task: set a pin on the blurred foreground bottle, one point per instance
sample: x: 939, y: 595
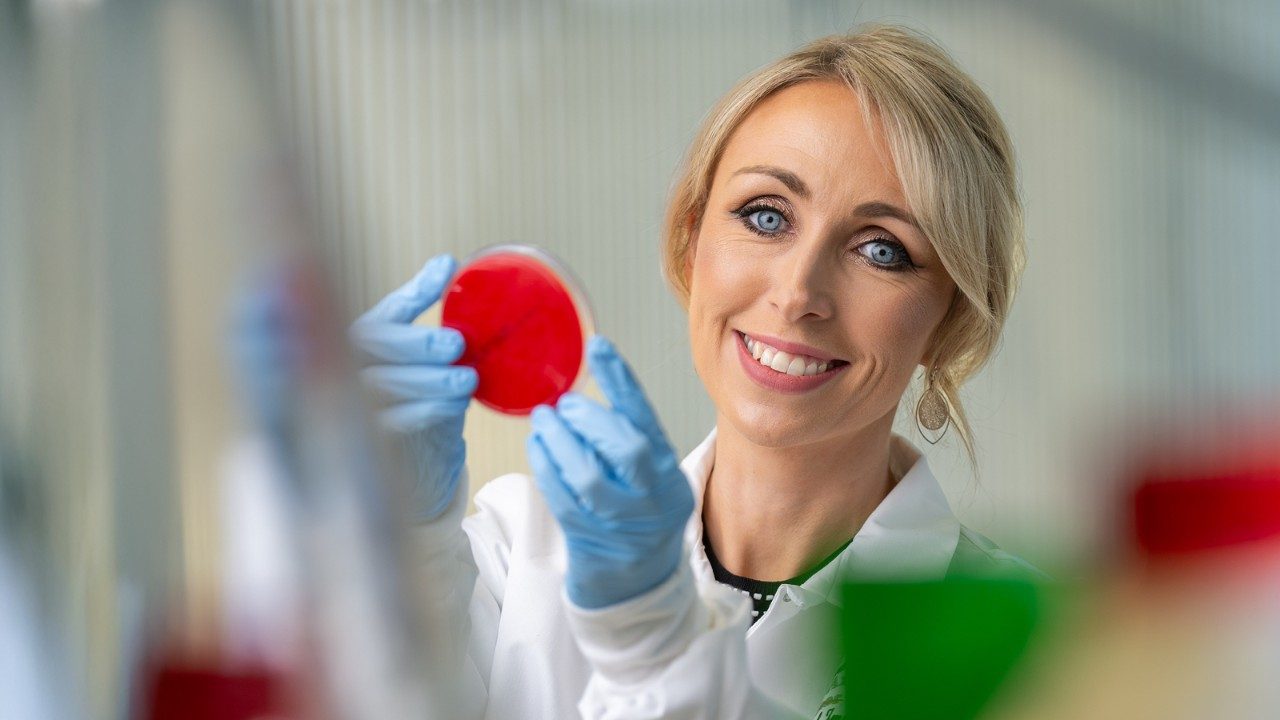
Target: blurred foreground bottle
x: 319, y: 617
x: 1187, y: 623
x: 940, y: 649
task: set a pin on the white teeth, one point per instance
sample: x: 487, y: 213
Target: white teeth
x: 784, y: 362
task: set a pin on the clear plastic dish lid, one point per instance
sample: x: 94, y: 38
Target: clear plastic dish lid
x: 525, y: 320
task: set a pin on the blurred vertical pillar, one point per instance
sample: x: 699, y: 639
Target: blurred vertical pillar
x: 59, y: 404
x: 225, y: 178
x: 91, y: 357
x: 137, y: 352
x: 14, y: 88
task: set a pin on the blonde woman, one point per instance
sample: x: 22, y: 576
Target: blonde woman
x: 847, y: 216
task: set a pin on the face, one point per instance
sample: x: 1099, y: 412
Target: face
x: 807, y: 257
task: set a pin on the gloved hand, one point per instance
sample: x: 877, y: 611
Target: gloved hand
x: 428, y: 397
x: 613, y: 482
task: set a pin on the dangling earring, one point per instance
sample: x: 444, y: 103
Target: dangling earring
x: 932, y: 412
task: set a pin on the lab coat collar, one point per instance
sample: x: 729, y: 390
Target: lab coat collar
x: 912, y: 534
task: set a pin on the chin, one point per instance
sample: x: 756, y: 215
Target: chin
x: 762, y: 426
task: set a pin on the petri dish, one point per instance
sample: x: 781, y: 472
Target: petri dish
x: 525, y: 320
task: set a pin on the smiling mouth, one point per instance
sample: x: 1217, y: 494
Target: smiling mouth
x: 781, y: 361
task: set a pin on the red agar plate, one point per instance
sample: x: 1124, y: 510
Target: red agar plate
x: 525, y: 322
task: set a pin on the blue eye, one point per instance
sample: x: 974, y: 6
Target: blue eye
x: 762, y: 219
x: 769, y: 221
x: 885, y: 254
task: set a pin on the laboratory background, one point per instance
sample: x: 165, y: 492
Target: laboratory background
x: 159, y: 160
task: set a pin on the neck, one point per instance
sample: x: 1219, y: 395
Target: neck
x: 772, y: 513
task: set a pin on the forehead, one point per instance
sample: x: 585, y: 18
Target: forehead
x: 816, y: 130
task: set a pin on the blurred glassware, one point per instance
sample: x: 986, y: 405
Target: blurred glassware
x: 1186, y: 622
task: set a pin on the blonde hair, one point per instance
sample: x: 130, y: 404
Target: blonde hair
x: 953, y: 157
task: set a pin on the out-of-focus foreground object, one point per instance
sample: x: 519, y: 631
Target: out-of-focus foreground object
x: 331, y: 604
x: 1181, y: 622
x: 1185, y: 623
x: 36, y: 682
x: 176, y: 541
x: 942, y: 648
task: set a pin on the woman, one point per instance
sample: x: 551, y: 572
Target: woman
x: 846, y: 215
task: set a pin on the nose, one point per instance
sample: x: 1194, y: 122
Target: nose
x: 801, y: 286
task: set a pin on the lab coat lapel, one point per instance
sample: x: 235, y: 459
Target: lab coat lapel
x: 912, y: 534
x: 697, y: 468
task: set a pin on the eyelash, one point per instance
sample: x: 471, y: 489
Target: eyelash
x: 745, y: 212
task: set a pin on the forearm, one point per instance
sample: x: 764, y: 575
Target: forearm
x: 454, y: 606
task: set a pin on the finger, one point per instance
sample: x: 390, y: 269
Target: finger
x: 411, y: 299
x: 610, y: 434
x: 580, y: 468
x: 408, y: 343
x: 560, y: 499
x: 619, y: 385
x: 415, y: 416
x: 421, y: 382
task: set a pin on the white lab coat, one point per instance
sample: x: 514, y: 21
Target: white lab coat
x: 686, y: 649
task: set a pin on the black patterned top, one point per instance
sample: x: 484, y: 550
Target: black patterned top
x: 760, y: 592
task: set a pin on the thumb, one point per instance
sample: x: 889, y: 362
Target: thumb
x: 410, y: 300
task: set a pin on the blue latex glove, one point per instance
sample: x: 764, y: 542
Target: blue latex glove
x: 427, y: 396
x: 613, y: 482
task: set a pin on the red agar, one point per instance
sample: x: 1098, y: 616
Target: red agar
x: 522, y: 330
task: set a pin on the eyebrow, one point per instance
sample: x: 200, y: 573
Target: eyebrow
x: 786, y: 177
x: 874, y: 208
x: 884, y: 209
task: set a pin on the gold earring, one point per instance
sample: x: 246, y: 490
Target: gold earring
x: 933, y: 413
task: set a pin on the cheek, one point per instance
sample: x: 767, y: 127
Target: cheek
x: 895, y: 327
x: 718, y: 269
x: 723, y: 286
x: 722, y: 282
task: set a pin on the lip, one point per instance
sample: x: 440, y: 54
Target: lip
x: 791, y: 347
x: 781, y: 382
